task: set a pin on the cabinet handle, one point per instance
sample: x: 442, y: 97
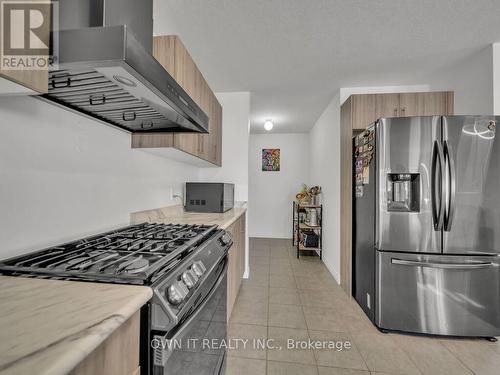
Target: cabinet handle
x: 96, y: 99
x: 403, y: 112
x: 396, y: 112
x: 129, y: 116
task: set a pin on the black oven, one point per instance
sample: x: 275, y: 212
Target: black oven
x: 197, y: 344
x: 183, y: 326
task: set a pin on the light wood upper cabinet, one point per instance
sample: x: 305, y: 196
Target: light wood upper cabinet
x: 175, y: 58
x: 207, y: 104
x: 186, y: 72
x: 387, y: 105
x: 29, y: 82
x: 426, y: 104
x: 216, y: 140
x: 163, y: 48
x: 365, y: 110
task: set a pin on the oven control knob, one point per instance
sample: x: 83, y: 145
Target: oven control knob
x: 189, y: 278
x: 199, y: 268
x: 177, y: 292
x: 226, y: 239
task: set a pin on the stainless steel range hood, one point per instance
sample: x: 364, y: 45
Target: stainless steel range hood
x: 107, y: 74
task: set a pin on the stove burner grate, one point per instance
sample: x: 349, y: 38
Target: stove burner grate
x: 138, y: 252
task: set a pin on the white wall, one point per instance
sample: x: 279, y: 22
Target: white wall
x: 325, y: 171
x: 63, y: 176
x: 271, y: 193
x: 235, y: 137
x: 472, y: 82
x: 345, y: 92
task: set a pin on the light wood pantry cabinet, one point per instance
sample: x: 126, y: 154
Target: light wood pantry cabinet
x: 367, y: 108
x: 356, y: 113
x: 236, y: 266
x: 175, y: 58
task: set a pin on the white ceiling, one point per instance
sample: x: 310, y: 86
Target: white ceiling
x: 292, y: 55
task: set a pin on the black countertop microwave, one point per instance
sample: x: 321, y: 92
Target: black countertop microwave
x: 209, y: 196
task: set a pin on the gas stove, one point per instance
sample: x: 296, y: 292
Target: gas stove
x: 185, y: 265
x: 132, y: 255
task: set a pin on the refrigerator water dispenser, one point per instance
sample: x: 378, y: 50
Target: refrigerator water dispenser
x: 403, y: 192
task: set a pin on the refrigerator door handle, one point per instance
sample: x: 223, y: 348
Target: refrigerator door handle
x: 448, y: 154
x: 437, y: 194
x: 450, y: 266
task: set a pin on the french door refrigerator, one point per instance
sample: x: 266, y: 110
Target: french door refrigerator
x: 426, y: 233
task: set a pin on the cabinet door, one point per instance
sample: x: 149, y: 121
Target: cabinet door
x: 164, y: 52
x: 231, y: 271
x: 216, y: 138
x: 205, y: 140
x: 28, y: 82
x: 189, y: 143
x: 186, y: 73
x: 189, y: 78
x: 424, y: 104
x: 242, y: 222
x: 387, y: 105
x: 364, y: 110
x: 19, y: 82
x: 117, y: 355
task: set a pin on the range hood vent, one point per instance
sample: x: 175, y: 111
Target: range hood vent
x: 106, y: 73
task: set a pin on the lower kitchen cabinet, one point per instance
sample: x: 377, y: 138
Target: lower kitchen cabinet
x: 118, y: 355
x: 236, y: 266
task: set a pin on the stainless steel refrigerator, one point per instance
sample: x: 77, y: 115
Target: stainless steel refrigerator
x: 426, y: 224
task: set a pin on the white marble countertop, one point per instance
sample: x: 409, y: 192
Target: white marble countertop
x: 47, y: 327
x: 177, y: 215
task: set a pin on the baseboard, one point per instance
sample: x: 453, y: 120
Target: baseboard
x: 334, y: 272
x: 246, y: 274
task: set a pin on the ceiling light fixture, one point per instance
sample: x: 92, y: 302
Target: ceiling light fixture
x: 268, y: 125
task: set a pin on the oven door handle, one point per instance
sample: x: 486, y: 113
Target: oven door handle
x: 189, y: 320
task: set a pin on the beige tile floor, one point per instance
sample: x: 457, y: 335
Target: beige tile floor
x: 287, y: 297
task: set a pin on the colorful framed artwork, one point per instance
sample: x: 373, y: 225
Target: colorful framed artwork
x: 271, y: 159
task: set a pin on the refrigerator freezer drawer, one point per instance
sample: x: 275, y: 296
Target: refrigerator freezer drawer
x: 438, y: 294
